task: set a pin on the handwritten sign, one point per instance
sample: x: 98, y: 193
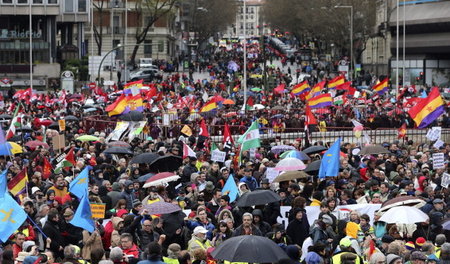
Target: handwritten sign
x: 445, y: 180
x: 271, y: 174
x: 438, y: 161
x: 62, y: 124
x: 217, y: 155
x: 98, y: 210
x: 434, y: 133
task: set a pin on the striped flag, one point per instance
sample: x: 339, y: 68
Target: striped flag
x: 18, y: 184
x: 15, y: 122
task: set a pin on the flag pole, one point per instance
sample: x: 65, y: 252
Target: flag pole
x: 37, y: 227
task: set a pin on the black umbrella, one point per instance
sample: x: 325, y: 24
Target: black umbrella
x: 145, y: 158
x: 25, y: 129
x: 313, y: 166
x: 5, y: 116
x: 118, y: 150
x: 250, y: 249
x: 257, y: 197
x: 15, y: 138
x: 133, y: 116
x: 71, y: 118
x: 373, y: 150
x: 54, y: 125
x: 166, y: 163
x: 314, y: 149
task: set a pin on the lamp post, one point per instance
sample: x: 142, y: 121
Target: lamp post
x: 244, y: 81
x: 31, y: 45
x: 351, y: 39
x: 397, y: 51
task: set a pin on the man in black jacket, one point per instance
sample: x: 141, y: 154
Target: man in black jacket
x: 52, y: 230
x: 147, y: 234
x: 247, y: 227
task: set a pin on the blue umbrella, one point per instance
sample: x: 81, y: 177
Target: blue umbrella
x: 282, y: 148
x: 295, y: 154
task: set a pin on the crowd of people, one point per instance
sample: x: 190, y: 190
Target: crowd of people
x: 129, y: 234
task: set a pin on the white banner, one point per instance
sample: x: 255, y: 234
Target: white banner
x: 118, y: 131
x: 217, y: 155
x: 438, y: 161
x: 342, y: 212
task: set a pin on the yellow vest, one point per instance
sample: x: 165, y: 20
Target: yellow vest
x: 336, y: 259
x: 170, y: 260
x: 204, y: 246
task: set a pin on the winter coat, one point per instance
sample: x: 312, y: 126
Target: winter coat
x: 90, y: 241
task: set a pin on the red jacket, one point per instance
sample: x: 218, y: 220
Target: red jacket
x: 134, y: 250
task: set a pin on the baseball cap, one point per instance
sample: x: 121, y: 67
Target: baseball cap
x: 437, y: 200
x: 200, y: 229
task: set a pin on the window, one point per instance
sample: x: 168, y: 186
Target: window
x: 148, y: 47
x: 68, y: 6
x: 81, y: 5
x: 22, y: 1
x: 37, y: 2
x: 161, y: 46
x: 6, y: 1
x: 53, y: 2
x: 241, y: 25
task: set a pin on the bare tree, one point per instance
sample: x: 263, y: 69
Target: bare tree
x: 99, y: 6
x: 212, y: 16
x: 319, y: 20
x: 148, y: 12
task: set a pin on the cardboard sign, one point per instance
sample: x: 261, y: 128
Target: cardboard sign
x: 59, y: 142
x: 186, y: 130
x: 438, y: 161
x: 62, y: 124
x: 217, y: 155
x: 445, y: 180
x: 434, y: 133
x: 98, y: 210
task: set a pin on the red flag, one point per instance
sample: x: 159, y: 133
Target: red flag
x: 70, y: 157
x: 345, y: 86
x: 228, y: 141
x: 187, y: 151
x: 47, y: 169
x: 310, y: 119
x: 203, y: 129
x: 402, y: 131
x: 250, y: 101
x: 280, y: 88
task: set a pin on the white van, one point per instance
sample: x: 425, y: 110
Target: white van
x: 145, y: 62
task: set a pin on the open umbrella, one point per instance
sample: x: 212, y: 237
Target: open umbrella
x: 160, y: 179
x: 228, y: 102
x: 15, y: 138
x: 282, y: 148
x: 71, y: 118
x: 258, y: 107
x: 257, y: 197
x: 290, y: 164
x: 36, y: 143
x: 161, y: 208
x: 118, y: 150
x: 404, y: 215
x: 10, y: 148
x: 54, y: 125
x: 145, y: 158
x: 25, y: 129
x: 291, y: 175
x: 230, y: 114
x: 46, y: 122
x: 373, y: 150
x: 5, y: 116
x: 295, y: 154
x: 446, y: 224
x: 278, y: 107
x: 256, y: 89
x: 277, y: 116
x: 122, y: 144
x: 89, y: 110
x: 402, y: 201
x: 132, y: 116
x: 85, y: 138
x: 314, y: 149
x: 313, y: 166
x: 166, y: 163
x: 145, y: 177
x: 249, y: 249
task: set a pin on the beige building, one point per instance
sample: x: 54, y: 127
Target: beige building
x: 254, y: 20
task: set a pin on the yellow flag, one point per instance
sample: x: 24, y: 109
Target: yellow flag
x: 186, y: 130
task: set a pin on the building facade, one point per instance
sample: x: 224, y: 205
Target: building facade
x: 254, y: 20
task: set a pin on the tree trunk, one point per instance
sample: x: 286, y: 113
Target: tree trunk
x: 133, y: 54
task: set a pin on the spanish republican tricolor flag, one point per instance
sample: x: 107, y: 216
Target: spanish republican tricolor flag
x: 118, y: 107
x: 210, y: 106
x: 381, y: 87
x: 402, y: 131
x: 428, y: 109
x: 315, y: 91
x: 301, y: 88
x: 322, y: 100
x: 18, y: 184
x: 335, y: 82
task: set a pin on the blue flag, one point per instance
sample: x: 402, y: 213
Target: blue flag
x: 83, y: 215
x: 329, y: 167
x: 230, y: 188
x: 12, y: 217
x: 3, y: 183
x: 79, y: 185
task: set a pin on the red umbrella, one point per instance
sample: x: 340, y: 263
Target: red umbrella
x: 122, y: 144
x: 228, y: 101
x: 230, y: 114
x: 342, y: 154
x: 46, y: 122
x: 161, y: 178
x: 35, y: 143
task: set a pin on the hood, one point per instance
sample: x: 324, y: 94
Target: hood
x: 420, y: 181
x: 116, y: 187
x: 257, y: 212
x: 352, y: 229
x: 313, y: 258
x: 293, y: 252
x: 115, y: 221
x: 128, y: 183
x: 102, y: 191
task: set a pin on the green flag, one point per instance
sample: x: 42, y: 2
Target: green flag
x: 213, y: 146
x: 250, y: 139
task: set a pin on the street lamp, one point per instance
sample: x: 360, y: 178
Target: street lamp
x: 351, y: 39
x: 245, y: 53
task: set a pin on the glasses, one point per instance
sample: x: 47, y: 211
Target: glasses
x: 146, y: 225
x: 376, y: 197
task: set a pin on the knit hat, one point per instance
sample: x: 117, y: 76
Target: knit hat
x: 420, y: 241
x: 345, y: 242
x: 410, y: 245
x: 327, y: 219
x: 391, y: 258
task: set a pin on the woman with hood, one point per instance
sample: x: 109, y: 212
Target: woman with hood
x: 298, y: 229
x: 115, y: 236
x: 422, y: 182
x: 243, y: 188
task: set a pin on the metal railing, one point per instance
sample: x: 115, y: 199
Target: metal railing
x: 377, y: 136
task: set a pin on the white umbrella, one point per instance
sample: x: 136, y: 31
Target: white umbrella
x: 161, y: 181
x: 258, y: 107
x: 290, y: 164
x: 404, y: 215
